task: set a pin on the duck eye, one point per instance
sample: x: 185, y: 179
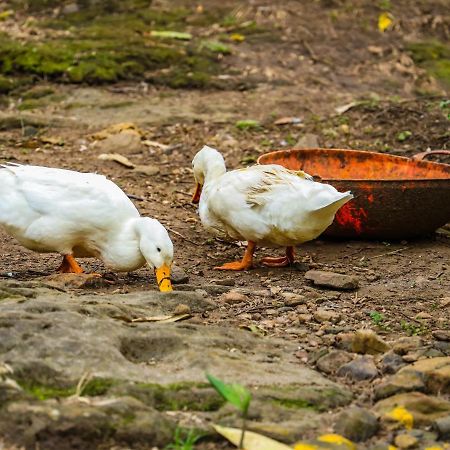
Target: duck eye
x: 157, y: 248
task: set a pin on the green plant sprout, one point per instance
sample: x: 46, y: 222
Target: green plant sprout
x: 237, y: 395
x: 184, y: 439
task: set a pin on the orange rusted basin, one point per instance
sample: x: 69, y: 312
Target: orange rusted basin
x: 394, y: 197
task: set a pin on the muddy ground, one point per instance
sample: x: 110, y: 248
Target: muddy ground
x: 305, y: 60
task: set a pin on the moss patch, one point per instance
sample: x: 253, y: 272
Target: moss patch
x: 434, y: 56
x: 42, y: 392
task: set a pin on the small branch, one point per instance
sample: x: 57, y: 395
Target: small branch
x: 135, y: 197
x: 244, y: 428
x: 388, y: 253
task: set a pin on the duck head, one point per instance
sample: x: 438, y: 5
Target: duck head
x: 157, y: 249
x: 207, y: 164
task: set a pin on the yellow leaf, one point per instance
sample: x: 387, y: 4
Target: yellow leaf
x: 385, y: 20
x: 338, y: 440
x: 252, y: 441
x: 301, y: 446
x: 237, y: 37
x: 402, y: 415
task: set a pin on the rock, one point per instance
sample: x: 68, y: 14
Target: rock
x: 75, y: 281
x: 424, y: 409
x: 356, y: 424
x: 332, y: 280
x: 391, y: 362
x: 291, y: 299
x: 361, y: 368
x: 445, y: 302
x: 126, y: 141
x: 406, y: 344
x: 326, y: 315
x: 178, y: 275
x: 442, y: 427
x: 181, y: 309
x: 368, y: 342
x: 405, y: 440
x: 234, y: 297
x: 400, y: 382
x: 333, y: 360
x: 435, y: 373
x: 308, y: 140
x: 224, y: 281
x: 304, y: 318
x: 344, y: 341
x: 147, y: 170
x: 441, y: 335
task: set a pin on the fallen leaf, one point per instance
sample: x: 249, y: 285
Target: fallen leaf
x: 171, y: 34
x: 402, y: 415
x: 117, y: 157
x: 162, y: 319
x: 54, y: 140
x: 342, y: 109
x: 252, y: 441
x: 385, y: 20
x: 237, y: 37
x: 338, y: 440
x: 6, y: 14
x: 247, y: 124
x: 403, y: 135
x: 288, y: 120
x: 216, y: 47
x: 155, y: 144
x: 115, y: 129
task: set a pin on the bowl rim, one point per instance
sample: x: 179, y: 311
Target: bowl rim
x: 365, y: 152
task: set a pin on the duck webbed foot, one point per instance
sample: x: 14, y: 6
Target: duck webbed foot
x: 70, y: 265
x: 282, y: 261
x: 246, y: 263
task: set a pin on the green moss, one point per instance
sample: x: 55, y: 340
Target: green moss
x: 434, y: 56
x: 6, y: 84
x: 295, y: 403
x: 99, y: 386
x: 42, y: 392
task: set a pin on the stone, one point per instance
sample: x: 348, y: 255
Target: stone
x: 291, y: 299
x: 368, y: 342
x: 304, y: 318
x: 326, y: 315
x: 391, y: 362
x: 181, y: 309
x: 178, y: 275
x: 126, y: 141
x: 75, y: 281
x: 332, y: 280
x: 344, y: 341
x: 308, y: 140
x: 442, y: 427
x: 400, y: 382
x: 435, y: 373
x: 441, y: 335
x: 333, y: 360
x: 356, y: 424
x: 405, y: 440
x: 147, y: 170
x: 361, y: 368
x: 407, y: 343
x: 445, y: 302
x: 424, y: 409
x: 234, y: 297
x: 224, y: 281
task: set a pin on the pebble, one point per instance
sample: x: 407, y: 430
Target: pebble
x: 441, y: 335
x: 362, y: 368
x: 304, y: 318
x: 442, y: 426
x: 356, y: 424
x: 326, y: 315
x: 178, y: 275
x: 181, y: 309
x: 291, y: 299
x: 405, y: 440
x: 445, y: 302
x: 333, y: 360
x: 406, y: 344
x: 391, y: 362
x: 147, y: 170
x: 224, y: 281
x: 233, y: 297
x: 368, y: 342
x: 332, y: 280
x: 398, y: 383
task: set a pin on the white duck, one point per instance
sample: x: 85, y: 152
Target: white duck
x: 81, y: 215
x: 266, y: 205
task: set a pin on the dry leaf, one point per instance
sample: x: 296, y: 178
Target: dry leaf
x: 237, y: 37
x: 252, y: 441
x: 288, y: 120
x: 118, y: 158
x: 115, y: 129
x: 155, y: 144
x: 342, y: 109
x: 162, y: 319
x: 385, y: 21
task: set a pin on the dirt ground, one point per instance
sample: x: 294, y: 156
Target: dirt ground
x: 317, y: 56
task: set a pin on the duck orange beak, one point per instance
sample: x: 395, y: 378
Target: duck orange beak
x: 197, y: 193
x: 163, y: 278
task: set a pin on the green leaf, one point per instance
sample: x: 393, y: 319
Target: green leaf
x: 247, y: 124
x: 403, y: 135
x: 171, y: 35
x: 236, y: 394
x: 216, y: 47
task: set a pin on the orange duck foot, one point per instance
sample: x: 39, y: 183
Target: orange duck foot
x: 246, y: 263
x: 282, y: 261
x: 70, y: 265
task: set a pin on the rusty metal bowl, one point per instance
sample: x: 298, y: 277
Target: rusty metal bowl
x: 395, y: 197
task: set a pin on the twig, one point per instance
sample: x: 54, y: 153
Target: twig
x: 135, y: 197
x: 410, y: 318
x: 181, y: 236
x: 388, y: 253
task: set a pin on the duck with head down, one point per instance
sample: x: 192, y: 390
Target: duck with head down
x: 81, y: 215
x: 266, y: 205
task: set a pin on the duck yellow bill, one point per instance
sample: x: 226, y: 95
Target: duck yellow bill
x: 197, y: 193
x: 163, y: 278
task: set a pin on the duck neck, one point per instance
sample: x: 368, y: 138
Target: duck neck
x: 216, y: 168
